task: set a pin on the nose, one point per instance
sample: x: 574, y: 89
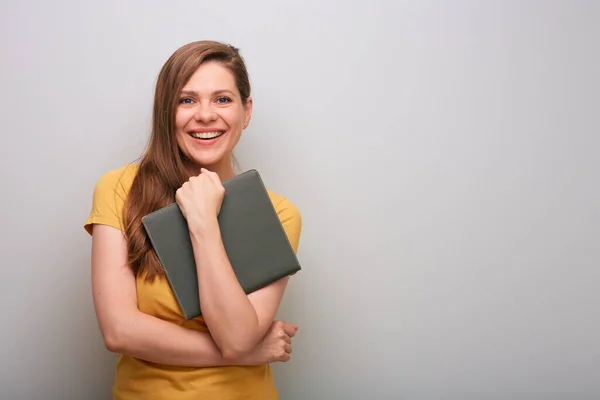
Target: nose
x: 205, y: 114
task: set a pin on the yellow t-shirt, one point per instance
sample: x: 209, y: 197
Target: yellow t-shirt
x: 139, y: 379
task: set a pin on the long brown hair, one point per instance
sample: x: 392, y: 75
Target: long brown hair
x: 163, y: 168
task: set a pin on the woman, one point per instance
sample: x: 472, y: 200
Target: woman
x: 202, y: 104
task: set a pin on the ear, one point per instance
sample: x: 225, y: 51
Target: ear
x: 248, y: 112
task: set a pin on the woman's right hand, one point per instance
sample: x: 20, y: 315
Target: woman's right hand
x: 276, y: 345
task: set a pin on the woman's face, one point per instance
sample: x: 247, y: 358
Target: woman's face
x: 210, y: 118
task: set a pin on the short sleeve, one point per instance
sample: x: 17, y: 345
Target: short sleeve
x: 291, y: 219
x: 107, y: 202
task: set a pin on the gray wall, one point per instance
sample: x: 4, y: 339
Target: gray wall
x: 444, y: 156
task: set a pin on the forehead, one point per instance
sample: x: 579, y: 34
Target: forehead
x: 210, y: 77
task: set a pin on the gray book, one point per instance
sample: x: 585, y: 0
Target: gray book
x: 255, y: 242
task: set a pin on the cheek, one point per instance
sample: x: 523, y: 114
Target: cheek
x: 180, y: 121
x: 236, y: 119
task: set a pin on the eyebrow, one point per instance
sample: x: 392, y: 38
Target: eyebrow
x: 221, y: 91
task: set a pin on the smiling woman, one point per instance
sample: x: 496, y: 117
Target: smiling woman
x: 211, y: 116
x: 202, y: 104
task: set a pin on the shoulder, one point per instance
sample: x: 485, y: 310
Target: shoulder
x: 114, y: 185
x: 110, y: 193
x: 117, y: 180
x: 284, y: 207
x: 289, y: 216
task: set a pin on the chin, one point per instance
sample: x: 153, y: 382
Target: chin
x: 206, y: 153
x: 205, y: 159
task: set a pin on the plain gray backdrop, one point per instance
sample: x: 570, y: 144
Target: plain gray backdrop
x: 444, y: 156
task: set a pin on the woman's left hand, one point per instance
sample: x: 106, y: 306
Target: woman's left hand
x: 200, y: 198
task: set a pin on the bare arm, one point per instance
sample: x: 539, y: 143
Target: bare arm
x: 236, y: 321
x: 127, y: 330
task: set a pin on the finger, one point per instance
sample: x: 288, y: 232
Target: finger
x: 276, y: 326
x: 287, y: 339
x: 288, y: 348
x: 208, y: 173
x: 217, y: 179
x: 206, y: 178
x: 203, y: 171
x: 290, y: 330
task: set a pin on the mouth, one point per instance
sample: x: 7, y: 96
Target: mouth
x: 206, y: 135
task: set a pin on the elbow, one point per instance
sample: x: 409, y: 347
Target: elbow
x: 112, y: 344
x: 236, y: 350
x: 233, y: 355
x: 117, y: 330
x: 113, y: 340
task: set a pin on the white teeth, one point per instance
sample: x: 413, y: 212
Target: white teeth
x: 205, y: 135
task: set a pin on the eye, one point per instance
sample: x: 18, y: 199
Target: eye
x: 185, y: 100
x: 223, y: 100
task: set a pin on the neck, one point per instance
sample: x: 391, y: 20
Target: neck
x: 224, y: 169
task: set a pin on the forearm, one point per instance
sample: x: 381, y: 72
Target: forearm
x: 229, y: 314
x: 152, y: 339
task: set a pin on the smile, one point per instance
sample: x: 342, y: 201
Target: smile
x: 206, y: 135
